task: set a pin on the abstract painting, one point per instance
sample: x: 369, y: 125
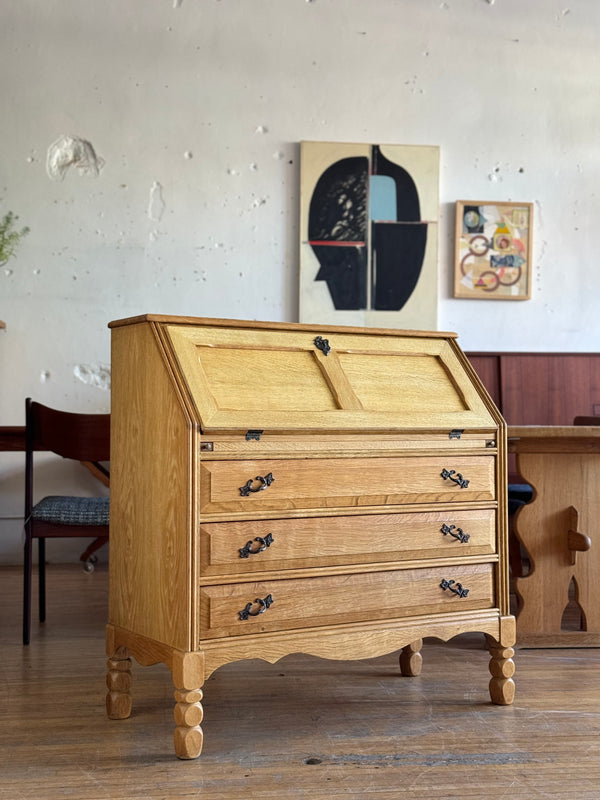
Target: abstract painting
x: 493, y: 250
x: 368, y: 234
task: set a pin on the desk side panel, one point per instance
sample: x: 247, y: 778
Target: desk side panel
x: 501, y: 481
x: 151, y: 479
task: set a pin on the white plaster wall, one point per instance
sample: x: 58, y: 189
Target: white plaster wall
x: 208, y: 100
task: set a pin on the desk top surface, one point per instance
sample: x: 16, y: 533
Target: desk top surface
x: 554, y: 438
x: 12, y: 438
x: 553, y: 431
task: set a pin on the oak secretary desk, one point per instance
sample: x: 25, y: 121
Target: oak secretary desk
x: 281, y: 488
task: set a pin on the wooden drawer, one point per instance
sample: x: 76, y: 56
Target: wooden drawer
x: 271, y: 484
x: 230, y: 548
x: 228, y: 610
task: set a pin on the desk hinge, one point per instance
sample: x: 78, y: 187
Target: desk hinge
x: 253, y: 435
x: 206, y: 447
x: 455, y: 433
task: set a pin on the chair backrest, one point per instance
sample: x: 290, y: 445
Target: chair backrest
x: 82, y: 437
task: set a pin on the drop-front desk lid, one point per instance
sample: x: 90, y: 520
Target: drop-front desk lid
x: 281, y: 377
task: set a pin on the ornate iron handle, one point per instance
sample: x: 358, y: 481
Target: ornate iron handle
x: 456, y: 533
x: 263, y: 605
x: 263, y: 544
x: 323, y: 345
x: 264, y: 484
x: 455, y: 477
x: 457, y: 588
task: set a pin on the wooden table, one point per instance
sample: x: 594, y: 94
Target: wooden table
x: 560, y: 530
x: 12, y: 438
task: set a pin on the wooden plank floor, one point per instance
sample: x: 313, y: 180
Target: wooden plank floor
x: 301, y: 728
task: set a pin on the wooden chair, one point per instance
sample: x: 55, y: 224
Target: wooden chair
x: 84, y: 438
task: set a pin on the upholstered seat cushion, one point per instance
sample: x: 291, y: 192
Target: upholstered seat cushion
x: 72, y: 510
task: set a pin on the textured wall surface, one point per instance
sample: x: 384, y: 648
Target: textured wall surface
x: 152, y: 146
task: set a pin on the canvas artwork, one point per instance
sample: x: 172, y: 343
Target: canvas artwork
x: 493, y: 250
x: 368, y: 234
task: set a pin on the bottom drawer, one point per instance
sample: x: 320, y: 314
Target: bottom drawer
x: 241, y: 608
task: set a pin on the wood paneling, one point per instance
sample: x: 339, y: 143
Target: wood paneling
x: 549, y: 389
x: 487, y: 366
x: 541, y: 388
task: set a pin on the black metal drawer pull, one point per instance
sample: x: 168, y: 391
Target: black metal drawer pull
x: 263, y: 605
x: 457, y: 588
x: 263, y: 544
x: 456, y: 533
x: 323, y: 345
x: 455, y: 477
x: 264, y: 483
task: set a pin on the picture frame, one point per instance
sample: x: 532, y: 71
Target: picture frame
x: 493, y: 250
x: 369, y: 217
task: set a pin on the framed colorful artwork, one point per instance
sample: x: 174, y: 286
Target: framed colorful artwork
x: 369, y: 234
x: 493, y: 250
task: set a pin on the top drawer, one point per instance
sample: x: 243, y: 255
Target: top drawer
x: 276, y: 485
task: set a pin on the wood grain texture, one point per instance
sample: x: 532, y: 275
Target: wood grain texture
x: 549, y: 389
x: 311, y: 542
x: 487, y: 367
x: 565, y: 488
x: 365, y: 730
x: 541, y: 388
x: 151, y: 476
x: 411, y: 660
x: 269, y: 445
x: 361, y: 640
x: 501, y: 481
x: 390, y: 413
x: 343, y: 599
x: 253, y: 379
x: 337, y: 483
x: 254, y: 325
x: 326, y: 729
x: 554, y: 439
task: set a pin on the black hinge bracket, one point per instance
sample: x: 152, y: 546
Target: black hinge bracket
x: 250, y: 435
x: 456, y: 433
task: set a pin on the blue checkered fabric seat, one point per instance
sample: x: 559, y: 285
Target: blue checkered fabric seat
x: 72, y: 510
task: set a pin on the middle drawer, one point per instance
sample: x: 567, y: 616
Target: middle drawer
x: 240, y: 548
x: 286, y: 484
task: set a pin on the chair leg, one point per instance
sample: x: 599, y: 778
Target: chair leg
x: 42, y: 577
x: 27, y: 588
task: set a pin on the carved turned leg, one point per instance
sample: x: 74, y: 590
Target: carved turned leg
x: 411, y: 659
x: 118, y: 681
x: 502, y: 668
x: 188, y: 716
x: 188, y: 677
